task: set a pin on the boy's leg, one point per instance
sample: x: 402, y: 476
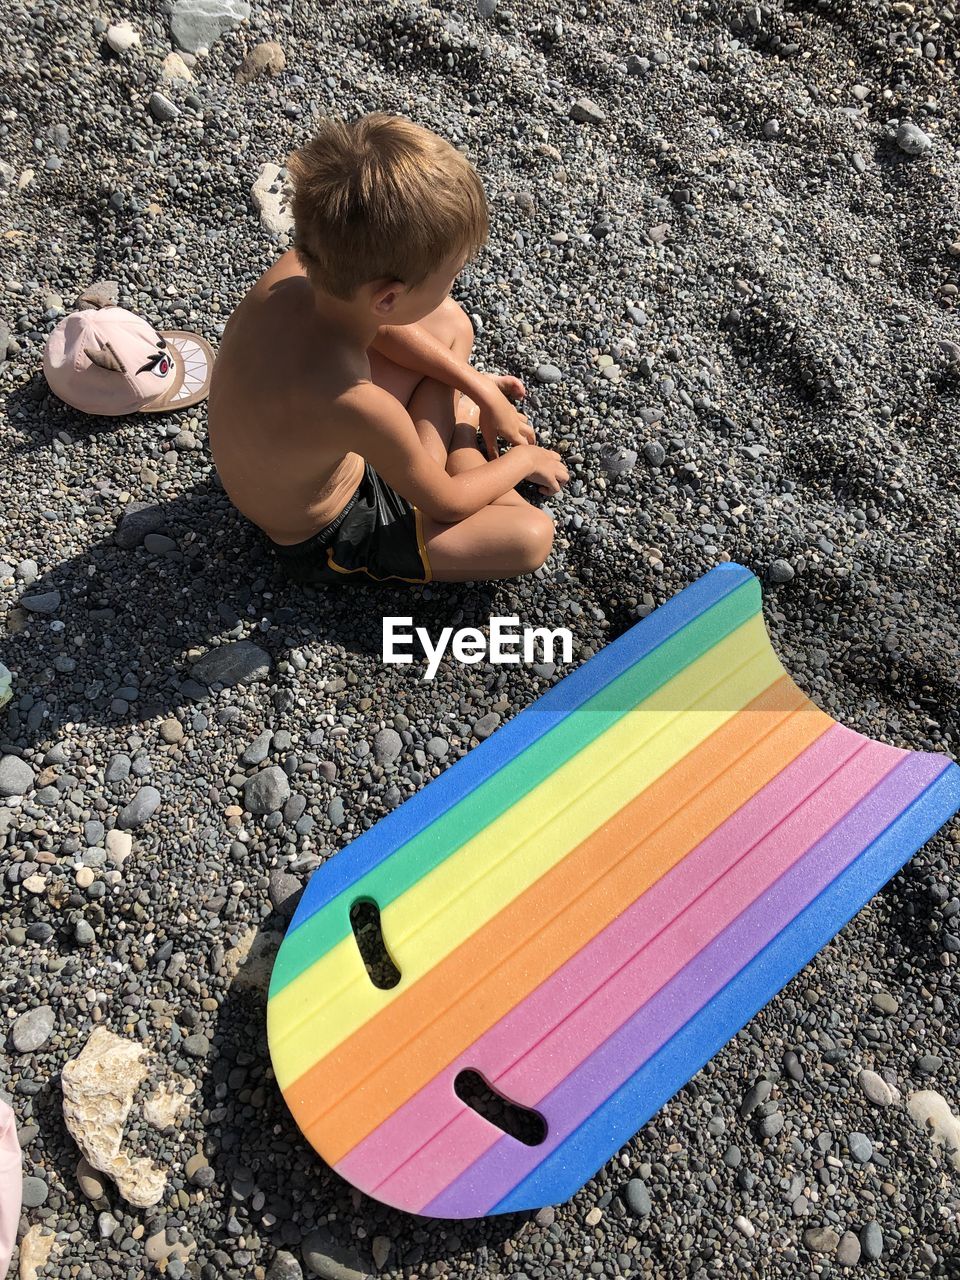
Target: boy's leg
x: 498, y: 541
x: 449, y: 324
x: 503, y: 540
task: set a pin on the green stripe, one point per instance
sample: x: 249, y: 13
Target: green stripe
x: 322, y: 931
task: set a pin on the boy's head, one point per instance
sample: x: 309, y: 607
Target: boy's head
x: 382, y: 200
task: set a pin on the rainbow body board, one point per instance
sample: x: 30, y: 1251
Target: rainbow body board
x: 585, y: 909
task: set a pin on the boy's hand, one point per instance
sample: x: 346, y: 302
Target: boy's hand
x: 498, y: 417
x: 548, y: 472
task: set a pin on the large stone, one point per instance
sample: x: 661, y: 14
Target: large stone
x: 138, y: 519
x: 32, y: 1029
x: 44, y: 602
x: 284, y: 1267
x: 931, y: 1111
x: 197, y: 24
x: 271, y: 197
x: 16, y: 776
x: 248, y: 965
x: 266, y: 791
x: 35, y: 1249
x: 121, y: 36
x: 168, y: 1103
x: 241, y: 662
x: 140, y: 809
x: 326, y: 1257
x: 266, y: 59
x: 387, y: 745
x: 98, y: 1087
x: 586, y: 111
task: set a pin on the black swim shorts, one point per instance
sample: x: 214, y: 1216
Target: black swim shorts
x: 378, y: 536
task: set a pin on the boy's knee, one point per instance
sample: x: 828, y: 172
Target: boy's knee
x: 460, y: 323
x: 535, y: 539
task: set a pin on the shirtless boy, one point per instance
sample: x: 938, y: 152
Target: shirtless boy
x: 343, y: 411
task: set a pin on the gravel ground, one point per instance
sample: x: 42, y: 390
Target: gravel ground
x: 729, y: 279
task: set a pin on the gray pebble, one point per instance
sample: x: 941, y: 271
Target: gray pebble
x: 239, y: 663
x: 266, y: 791
x: 655, y: 453
x: 32, y: 1029
x: 83, y: 933
x: 860, y: 1147
x: 387, y: 745
x: 821, y: 1239
x: 912, y: 139
x: 875, y: 1088
x: 586, y: 111
x: 284, y: 892
x: 871, y: 1241
x: 16, y: 776
x: 196, y: 1045
x: 161, y: 108
x: 258, y: 749
x: 45, y: 602
x: 330, y: 1259
x: 780, y: 571
x: 486, y: 724
x: 118, y: 768
x: 284, y: 1267
x: 637, y: 1198
x: 848, y: 1250
x: 35, y: 1192
x: 548, y: 373
x: 140, y: 809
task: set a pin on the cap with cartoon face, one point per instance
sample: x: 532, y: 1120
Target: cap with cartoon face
x: 110, y: 361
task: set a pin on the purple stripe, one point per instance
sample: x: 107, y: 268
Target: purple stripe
x: 508, y: 1161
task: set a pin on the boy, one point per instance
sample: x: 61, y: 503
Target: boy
x: 343, y: 412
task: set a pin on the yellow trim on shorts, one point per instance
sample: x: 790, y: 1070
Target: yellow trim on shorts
x: 422, y: 544
x: 362, y: 568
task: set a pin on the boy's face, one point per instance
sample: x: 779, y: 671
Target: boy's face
x: 397, y: 304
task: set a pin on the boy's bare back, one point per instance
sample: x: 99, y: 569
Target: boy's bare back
x: 272, y: 408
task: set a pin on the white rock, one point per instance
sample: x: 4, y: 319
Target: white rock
x: 932, y: 1113
x: 118, y: 845
x: 98, y: 1087
x: 174, y: 68
x: 167, y: 1103
x: 34, y: 1251
x: 248, y: 965
x: 273, y: 206
x: 121, y: 37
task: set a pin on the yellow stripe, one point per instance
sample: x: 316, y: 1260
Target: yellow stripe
x: 422, y: 544
x: 389, y: 577
x: 326, y: 1003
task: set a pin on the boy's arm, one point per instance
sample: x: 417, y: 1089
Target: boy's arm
x: 379, y: 428
x: 414, y: 347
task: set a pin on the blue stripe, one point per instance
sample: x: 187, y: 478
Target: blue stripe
x: 477, y: 766
x: 562, y: 1173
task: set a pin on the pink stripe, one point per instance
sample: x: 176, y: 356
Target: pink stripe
x: 677, y: 922
x: 437, y: 1124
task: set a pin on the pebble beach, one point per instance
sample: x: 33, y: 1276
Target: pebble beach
x: 725, y: 261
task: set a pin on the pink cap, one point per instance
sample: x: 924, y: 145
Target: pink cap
x: 11, y: 1185
x: 106, y: 360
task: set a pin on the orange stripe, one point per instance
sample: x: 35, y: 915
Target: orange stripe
x: 354, y: 1088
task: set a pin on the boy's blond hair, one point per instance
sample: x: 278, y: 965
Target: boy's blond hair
x: 382, y: 196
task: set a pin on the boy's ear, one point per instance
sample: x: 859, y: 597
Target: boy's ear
x: 386, y: 296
